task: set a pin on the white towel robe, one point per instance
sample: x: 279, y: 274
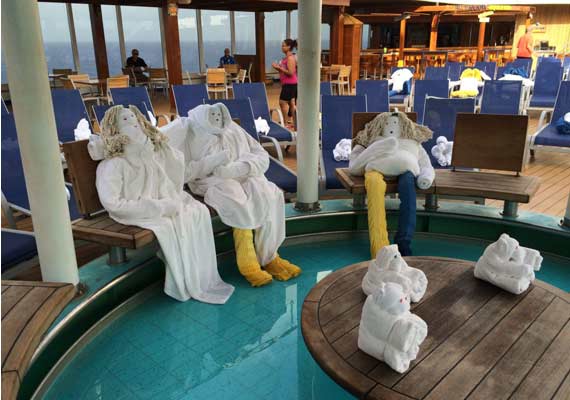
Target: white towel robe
x: 249, y: 202
x: 141, y: 188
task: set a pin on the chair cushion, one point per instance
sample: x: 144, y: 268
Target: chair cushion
x: 278, y: 132
x: 549, y: 136
x: 16, y: 248
x: 331, y: 165
x: 542, y: 101
x: 281, y: 176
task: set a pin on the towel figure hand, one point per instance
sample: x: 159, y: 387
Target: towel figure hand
x: 233, y: 170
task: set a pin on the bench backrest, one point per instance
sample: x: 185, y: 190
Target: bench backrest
x: 490, y: 141
x: 136, y: 95
x: 360, y: 119
x: 501, y: 97
x: 82, y: 170
x: 187, y: 97
x: 376, y: 92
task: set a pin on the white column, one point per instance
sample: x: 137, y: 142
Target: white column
x: 121, y: 33
x: 73, y: 37
x: 233, y: 32
x: 308, y: 104
x: 30, y: 91
x: 201, y: 60
x: 162, y: 38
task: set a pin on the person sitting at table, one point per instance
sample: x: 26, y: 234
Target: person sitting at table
x: 227, y: 58
x: 138, y: 65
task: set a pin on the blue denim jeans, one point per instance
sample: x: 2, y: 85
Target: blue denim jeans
x: 407, y: 218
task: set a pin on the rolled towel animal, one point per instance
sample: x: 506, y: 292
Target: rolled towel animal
x: 341, y: 151
x: 388, y: 330
x: 442, y: 151
x: 261, y: 126
x: 82, y: 131
x: 389, y: 266
x: 508, y: 265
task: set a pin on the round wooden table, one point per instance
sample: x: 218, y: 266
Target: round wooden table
x: 483, y: 342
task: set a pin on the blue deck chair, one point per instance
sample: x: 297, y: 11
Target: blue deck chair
x: 525, y: 63
x: 136, y: 95
x: 277, y: 173
x: 427, y: 87
x: 4, y: 108
x: 376, y: 92
x: 501, y: 72
x: 455, y: 69
x: 566, y: 68
x: 69, y: 109
x: 326, y: 90
x: 546, y: 84
x: 439, y: 116
x: 186, y: 97
x: 100, y: 110
x: 437, y: 73
x: 489, y: 67
x: 548, y: 137
x: 13, y: 181
x: 402, y: 99
x: 17, y: 246
x: 337, y: 125
x: 501, y: 97
x: 260, y: 105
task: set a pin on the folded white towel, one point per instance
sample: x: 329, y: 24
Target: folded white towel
x: 507, y: 265
x: 442, y: 151
x: 82, y: 131
x: 342, y: 150
x: 389, y: 266
x: 261, y: 126
x: 388, y: 330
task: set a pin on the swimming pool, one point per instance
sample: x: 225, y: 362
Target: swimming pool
x: 249, y: 348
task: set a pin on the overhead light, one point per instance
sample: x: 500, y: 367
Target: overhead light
x: 172, y: 9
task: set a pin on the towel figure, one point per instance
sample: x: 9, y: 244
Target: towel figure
x: 140, y: 182
x: 399, y: 79
x: 82, y: 132
x: 388, y: 330
x: 507, y: 265
x: 471, y: 79
x: 342, y: 150
x: 389, y: 266
x: 261, y: 126
x: 563, y: 124
x: 391, y: 145
x: 442, y: 151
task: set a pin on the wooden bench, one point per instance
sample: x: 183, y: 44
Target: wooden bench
x: 481, y: 141
x: 28, y: 310
x: 96, y: 225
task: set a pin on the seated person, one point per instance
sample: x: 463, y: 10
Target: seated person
x: 138, y: 65
x: 140, y: 182
x: 226, y: 166
x: 226, y: 59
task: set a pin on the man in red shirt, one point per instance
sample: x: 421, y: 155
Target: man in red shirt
x: 524, y: 47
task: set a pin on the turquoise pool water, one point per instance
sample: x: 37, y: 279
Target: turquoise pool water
x: 250, y: 348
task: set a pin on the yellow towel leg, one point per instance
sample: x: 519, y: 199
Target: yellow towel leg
x: 247, y: 259
x: 282, y: 269
x: 377, y: 224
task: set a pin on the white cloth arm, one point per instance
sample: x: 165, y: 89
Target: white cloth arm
x: 257, y: 159
x: 361, y: 156
x: 200, y: 169
x: 427, y: 173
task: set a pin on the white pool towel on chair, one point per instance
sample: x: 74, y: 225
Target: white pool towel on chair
x: 82, y: 131
x: 261, y: 126
x: 399, y: 78
x: 342, y: 150
x: 507, y: 265
x: 388, y: 330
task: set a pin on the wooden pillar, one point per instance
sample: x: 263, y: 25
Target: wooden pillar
x: 172, y: 43
x: 337, y: 35
x: 433, y: 32
x: 99, y: 44
x: 260, y: 45
x: 481, y: 41
x: 402, y: 39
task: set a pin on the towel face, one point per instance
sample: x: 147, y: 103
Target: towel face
x: 508, y: 265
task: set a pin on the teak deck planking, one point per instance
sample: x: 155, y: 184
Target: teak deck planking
x: 483, y: 342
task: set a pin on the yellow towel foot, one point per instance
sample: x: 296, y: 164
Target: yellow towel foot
x: 282, y: 269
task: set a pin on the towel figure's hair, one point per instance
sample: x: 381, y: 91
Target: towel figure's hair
x: 114, y: 142
x: 409, y: 129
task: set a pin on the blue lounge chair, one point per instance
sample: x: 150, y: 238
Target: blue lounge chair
x: 376, y: 92
x: 439, y: 116
x: 138, y: 96
x: 277, y: 173
x: 337, y: 125
x: 424, y: 88
x: 437, y: 73
x: 326, y: 89
x: 100, y: 110
x: 548, y: 137
x: 566, y: 68
x: 546, y: 84
x: 260, y: 105
x: 17, y: 246
x: 13, y: 182
x: 455, y: 69
x: 489, y: 67
x: 186, y: 97
x: 69, y: 109
x: 403, y: 98
x: 501, y: 97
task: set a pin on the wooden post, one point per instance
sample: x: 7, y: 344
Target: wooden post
x: 172, y: 42
x: 337, y: 35
x: 481, y: 41
x: 260, y: 45
x: 402, y: 39
x: 99, y: 44
x: 433, y: 33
